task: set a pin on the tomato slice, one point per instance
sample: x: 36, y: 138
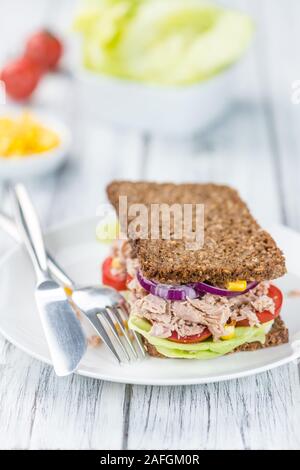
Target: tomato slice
x: 118, y: 282
x: 190, y: 339
x: 128, y: 279
x: 266, y: 316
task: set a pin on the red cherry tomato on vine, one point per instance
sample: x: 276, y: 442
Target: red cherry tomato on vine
x: 44, y: 49
x: 20, y: 77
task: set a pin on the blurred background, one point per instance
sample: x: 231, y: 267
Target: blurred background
x: 193, y: 95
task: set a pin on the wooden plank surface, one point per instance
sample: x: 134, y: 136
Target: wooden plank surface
x: 253, y: 147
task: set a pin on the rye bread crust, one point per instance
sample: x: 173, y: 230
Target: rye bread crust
x: 278, y: 335
x: 235, y: 246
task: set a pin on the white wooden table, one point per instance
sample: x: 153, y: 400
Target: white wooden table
x: 255, y: 148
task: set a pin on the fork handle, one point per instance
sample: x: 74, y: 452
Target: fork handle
x: 30, y: 229
x: 9, y: 226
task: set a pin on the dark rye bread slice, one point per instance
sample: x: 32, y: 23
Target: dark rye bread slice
x: 235, y: 246
x: 278, y: 335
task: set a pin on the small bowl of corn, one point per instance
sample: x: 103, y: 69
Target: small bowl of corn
x: 31, y: 143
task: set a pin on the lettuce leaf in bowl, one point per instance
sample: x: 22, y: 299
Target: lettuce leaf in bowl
x: 204, y: 350
x: 167, y: 42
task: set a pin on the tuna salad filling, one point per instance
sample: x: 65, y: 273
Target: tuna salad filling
x: 191, y: 316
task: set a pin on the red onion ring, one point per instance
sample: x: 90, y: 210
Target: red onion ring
x: 202, y: 287
x: 167, y: 291
x: 184, y: 291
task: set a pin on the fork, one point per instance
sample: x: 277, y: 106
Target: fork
x: 63, y: 331
x: 104, y: 303
x: 105, y: 308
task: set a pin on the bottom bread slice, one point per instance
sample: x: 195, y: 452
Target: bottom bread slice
x: 279, y: 334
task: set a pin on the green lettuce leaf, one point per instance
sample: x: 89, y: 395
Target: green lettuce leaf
x: 204, y: 350
x: 169, y: 42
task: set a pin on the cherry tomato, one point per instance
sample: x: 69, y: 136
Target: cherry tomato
x: 45, y: 49
x: 265, y: 316
x: 118, y: 282
x: 20, y: 77
x: 190, y: 339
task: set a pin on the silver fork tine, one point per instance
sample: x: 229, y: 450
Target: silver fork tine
x: 105, y: 314
x: 139, y: 342
x: 136, y: 336
x: 117, y: 318
x: 104, y: 336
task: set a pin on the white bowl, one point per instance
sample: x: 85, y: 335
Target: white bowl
x: 179, y: 110
x: 18, y: 168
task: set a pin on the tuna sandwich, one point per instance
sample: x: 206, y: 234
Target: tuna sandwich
x: 198, y: 302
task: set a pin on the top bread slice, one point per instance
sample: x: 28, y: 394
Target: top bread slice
x: 235, y: 246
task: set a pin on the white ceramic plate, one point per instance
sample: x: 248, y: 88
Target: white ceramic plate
x: 36, y: 165
x: 78, y: 251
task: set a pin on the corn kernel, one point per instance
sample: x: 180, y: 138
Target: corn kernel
x: 116, y: 263
x: 237, y: 286
x: 68, y: 291
x: 230, y: 332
